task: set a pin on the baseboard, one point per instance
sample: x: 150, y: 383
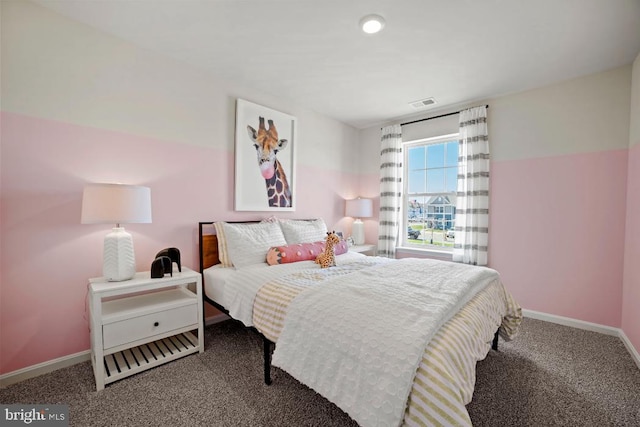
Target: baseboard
x: 43, y: 368
x: 632, y: 350
x: 574, y: 323
x: 581, y: 324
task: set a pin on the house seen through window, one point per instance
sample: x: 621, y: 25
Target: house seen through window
x: 430, y: 183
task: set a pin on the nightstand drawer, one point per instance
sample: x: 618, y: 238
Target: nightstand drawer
x: 136, y: 328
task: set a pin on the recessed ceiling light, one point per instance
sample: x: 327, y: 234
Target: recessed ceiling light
x: 372, y: 24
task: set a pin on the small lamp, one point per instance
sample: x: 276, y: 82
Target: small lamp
x: 358, y: 208
x: 117, y: 204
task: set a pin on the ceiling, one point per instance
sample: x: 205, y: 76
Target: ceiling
x: 313, y: 53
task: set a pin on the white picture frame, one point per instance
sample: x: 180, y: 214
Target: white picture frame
x: 264, y: 154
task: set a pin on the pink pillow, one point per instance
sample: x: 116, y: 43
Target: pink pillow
x: 301, y: 252
x: 341, y: 248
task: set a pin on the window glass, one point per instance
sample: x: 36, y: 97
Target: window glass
x: 417, y: 158
x: 418, y: 181
x: 435, y: 180
x: 451, y: 179
x: 430, y: 183
x: 435, y: 155
x: 452, y: 154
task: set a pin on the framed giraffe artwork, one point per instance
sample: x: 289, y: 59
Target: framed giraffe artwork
x: 264, y: 159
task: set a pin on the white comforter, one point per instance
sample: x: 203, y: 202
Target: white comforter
x: 241, y: 287
x: 358, y: 339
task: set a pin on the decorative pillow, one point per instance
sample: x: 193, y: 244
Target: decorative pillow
x: 341, y: 248
x: 301, y: 231
x: 247, y: 244
x: 223, y: 255
x: 301, y: 252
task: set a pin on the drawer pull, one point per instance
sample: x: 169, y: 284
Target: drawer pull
x: 156, y: 324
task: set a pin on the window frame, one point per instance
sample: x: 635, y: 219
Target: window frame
x: 404, y: 244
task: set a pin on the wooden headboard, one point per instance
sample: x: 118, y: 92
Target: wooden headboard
x: 208, y: 245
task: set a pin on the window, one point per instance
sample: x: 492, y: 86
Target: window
x: 430, y: 183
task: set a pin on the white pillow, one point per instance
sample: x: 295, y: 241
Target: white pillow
x: 248, y: 244
x: 223, y: 254
x: 302, y: 231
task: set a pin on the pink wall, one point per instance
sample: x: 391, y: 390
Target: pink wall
x: 631, y: 288
x: 47, y: 255
x: 557, y: 233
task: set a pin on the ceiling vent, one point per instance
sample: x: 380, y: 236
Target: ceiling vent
x: 422, y: 103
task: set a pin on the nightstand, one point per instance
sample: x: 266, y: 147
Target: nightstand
x: 141, y: 323
x: 364, y: 249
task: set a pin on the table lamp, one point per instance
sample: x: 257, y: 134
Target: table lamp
x: 358, y: 208
x: 117, y: 204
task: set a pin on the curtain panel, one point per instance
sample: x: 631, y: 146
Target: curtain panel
x: 390, y: 190
x: 472, y: 204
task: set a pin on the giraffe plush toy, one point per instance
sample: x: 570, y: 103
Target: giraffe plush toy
x: 327, y: 258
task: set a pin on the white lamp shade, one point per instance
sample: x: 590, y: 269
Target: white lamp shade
x: 116, y: 204
x: 359, y: 208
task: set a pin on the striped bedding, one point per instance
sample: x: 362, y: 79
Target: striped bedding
x: 445, y: 378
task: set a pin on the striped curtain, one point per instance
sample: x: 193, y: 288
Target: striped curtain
x: 390, y: 190
x: 472, y: 205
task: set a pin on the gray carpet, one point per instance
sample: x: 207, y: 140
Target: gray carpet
x: 550, y: 375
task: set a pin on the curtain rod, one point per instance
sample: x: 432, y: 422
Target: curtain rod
x: 435, y: 117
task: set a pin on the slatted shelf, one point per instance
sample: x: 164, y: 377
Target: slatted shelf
x: 130, y: 361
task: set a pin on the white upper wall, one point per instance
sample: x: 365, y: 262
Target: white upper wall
x: 59, y: 69
x: 582, y: 115
x: 577, y: 116
x: 67, y: 71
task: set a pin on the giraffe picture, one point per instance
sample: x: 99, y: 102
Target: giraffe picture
x: 265, y: 162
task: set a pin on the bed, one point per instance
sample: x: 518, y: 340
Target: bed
x: 390, y: 342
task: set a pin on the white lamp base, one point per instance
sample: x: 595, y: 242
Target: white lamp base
x: 357, y: 232
x: 119, y: 261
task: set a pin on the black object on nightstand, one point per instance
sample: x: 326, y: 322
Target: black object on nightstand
x: 161, y: 266
x: 174, y: 254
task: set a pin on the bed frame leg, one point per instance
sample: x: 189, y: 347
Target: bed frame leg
x: 494, y: 345
x: 268, y: 349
